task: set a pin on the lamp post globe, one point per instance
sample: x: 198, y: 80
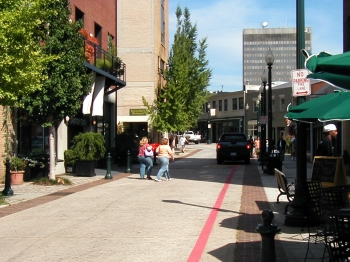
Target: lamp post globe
x: 209, y: 125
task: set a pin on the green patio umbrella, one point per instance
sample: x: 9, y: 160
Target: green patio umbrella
x: 334, y: 106
x: 333, y: 69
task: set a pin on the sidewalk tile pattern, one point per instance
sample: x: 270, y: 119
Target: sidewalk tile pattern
x: 253, y: 203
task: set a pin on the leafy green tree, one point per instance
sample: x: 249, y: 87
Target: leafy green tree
x: 22, y: 58
x: 67, y: 81
x: 179, y: 103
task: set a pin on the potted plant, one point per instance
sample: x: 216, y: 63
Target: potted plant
x: 37, y: 166
x: 17, y: 168
x: 87, y: 149
x: 69, y: 161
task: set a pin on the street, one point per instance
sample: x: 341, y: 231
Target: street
x: 135, y: 220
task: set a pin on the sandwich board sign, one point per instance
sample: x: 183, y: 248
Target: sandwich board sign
x: 300, y: 84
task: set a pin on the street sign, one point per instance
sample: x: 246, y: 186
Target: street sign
x: 263, y: 120
x: 300, y: 84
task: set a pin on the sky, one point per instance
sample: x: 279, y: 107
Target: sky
x: 223, y: 21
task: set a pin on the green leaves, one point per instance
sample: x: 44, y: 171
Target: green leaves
x: 22, y: 57
x: 66, y: 81
x: 179, y: 103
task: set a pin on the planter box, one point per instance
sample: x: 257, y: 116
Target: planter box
x: 85, y: 168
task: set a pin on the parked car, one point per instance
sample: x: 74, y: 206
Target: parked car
x: 192, y: 137
x: 233, y: 146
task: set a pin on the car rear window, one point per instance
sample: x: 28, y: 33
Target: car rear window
x: 232, y: 138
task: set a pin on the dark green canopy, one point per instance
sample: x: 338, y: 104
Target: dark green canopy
x: 334, y: 106
x: 334, y: 69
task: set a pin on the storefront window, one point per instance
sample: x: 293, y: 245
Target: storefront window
x: 32, y: 138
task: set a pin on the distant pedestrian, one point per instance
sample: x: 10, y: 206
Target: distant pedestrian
x: 164, y: 153
x: 257, y: 146
x: 251, y: 142
x: 293, y: 142
x: 172, y: 142
x: 183, y: 142
x: 145, y: 158
x: 281, y: 147
x: 176, y: 141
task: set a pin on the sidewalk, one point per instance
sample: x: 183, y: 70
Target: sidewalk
x: 258, y: 192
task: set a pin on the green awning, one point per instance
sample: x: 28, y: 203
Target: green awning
x: 333, y: 69
x: 335, y: 106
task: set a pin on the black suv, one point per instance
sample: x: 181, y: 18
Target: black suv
x: 233, y: 146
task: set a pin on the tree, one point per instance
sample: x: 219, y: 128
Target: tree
x: 179, y: 103
x: 67, y: 81
x: 22, y: 58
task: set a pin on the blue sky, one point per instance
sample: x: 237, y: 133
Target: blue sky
x: 223, y: 21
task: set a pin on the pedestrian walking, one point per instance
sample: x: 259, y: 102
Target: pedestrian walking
x: 329, y: 132
x: 251, y: 142
x: 257, y: 146
x: 281, y: 147
x: 293, y: 142
x: 164, y: 154
x: 145, y: 158
x: 183, y: 142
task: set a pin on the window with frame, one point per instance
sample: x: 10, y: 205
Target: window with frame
x: 241, y: 103
x: 282, y: 104
x: 214, y: 104
x: 225, y: 104
x: 234, y: 103
x: 98, y: 34
x: 220, y: 105
x: 162, y: 23
x: 79, y: 15
x: 161, y: 66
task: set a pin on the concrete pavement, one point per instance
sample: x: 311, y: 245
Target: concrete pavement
x: 205, y: 213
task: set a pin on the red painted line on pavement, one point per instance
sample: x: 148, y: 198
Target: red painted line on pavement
x: 198, y: 249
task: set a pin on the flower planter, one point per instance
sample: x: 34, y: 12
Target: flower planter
x: 85, y: 168
x: 16, y: 177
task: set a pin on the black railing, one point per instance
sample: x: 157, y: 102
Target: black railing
x: 104, y: 60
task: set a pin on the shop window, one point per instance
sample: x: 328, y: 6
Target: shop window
x: 234, y: 103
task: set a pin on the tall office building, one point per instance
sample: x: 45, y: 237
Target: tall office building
x: 346, y: 25
x: 282, y: 41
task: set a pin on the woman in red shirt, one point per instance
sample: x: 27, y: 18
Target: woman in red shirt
x: 146, y: 162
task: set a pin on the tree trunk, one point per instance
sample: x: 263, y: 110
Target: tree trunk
x: 52, y: 174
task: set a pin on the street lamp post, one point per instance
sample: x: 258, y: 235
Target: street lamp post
x: 263, y: 123
x: 209, y: 125
x: 269, y: 58
x: 258, y: 114
x: 247, y: 111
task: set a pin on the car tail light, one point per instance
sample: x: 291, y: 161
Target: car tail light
x: 248, y: 146
x: 218, y: 146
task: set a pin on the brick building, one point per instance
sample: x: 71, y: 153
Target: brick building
x: 143, y: 45
x: 99, y: 108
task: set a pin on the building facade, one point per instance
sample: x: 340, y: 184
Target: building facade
x: 98, y: 112
x: 282, y: 41
x: 346, y: 25
x: 143, y: 44
x: 226, y: 114
x: 241, y: 112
